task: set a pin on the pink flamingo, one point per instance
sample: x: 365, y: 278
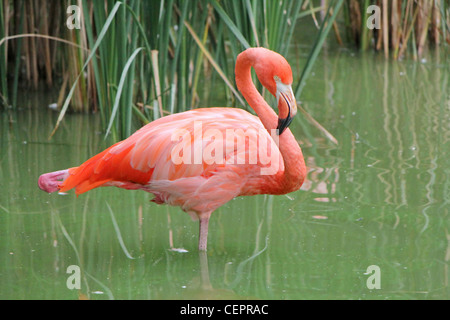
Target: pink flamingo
x: 145, y: 160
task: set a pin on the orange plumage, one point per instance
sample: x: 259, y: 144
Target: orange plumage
x: 201, y: 159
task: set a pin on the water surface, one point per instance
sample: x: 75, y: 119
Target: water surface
x: 380, y: 197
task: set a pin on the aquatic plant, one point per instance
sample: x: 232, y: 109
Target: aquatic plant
x: 134, y: 61
x: 405, y: 27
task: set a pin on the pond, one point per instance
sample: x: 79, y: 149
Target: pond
x: 371, y: 222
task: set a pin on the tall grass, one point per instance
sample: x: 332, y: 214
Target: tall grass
x: 135, y: 61
x: 407, y: 27
x: 3, y: 54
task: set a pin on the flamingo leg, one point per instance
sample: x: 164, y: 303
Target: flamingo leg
x: 203, y: 237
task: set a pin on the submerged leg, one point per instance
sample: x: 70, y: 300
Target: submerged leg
x: 203, y: 237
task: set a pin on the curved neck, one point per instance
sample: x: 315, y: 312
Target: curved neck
x: 294, y: 165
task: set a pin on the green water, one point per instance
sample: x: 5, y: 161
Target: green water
x: 380, y: 197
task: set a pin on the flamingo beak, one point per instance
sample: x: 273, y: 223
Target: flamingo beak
x: 287, y: 107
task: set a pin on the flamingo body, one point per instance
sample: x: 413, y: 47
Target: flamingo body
x: 221, y: 152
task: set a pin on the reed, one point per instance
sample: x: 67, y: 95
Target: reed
x: 135, y: 61
x: 407, y: 27
x: 3, y: 55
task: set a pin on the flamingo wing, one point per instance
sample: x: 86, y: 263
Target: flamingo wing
x: 214, y: 162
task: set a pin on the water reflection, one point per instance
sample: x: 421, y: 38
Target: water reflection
x: 200, y: 287
x: 321, y: 181
x: 381, y: 196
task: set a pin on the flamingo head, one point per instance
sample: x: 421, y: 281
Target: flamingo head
x: 274, y: 73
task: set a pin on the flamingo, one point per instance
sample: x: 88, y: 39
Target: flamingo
x: 145, y: 160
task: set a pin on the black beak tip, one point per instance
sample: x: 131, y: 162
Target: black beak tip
x: 283, y: 124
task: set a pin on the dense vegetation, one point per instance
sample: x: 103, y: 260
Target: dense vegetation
x: 142, y: 59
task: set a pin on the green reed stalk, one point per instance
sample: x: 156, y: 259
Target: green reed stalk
x: 3, y: 58
x: 364, y: 29
x: 18, y: 57
x: 140, y: 60
x: 428, y: 18
x: 326, y: 25
x: 91, y: 55
x: 120, y: 89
